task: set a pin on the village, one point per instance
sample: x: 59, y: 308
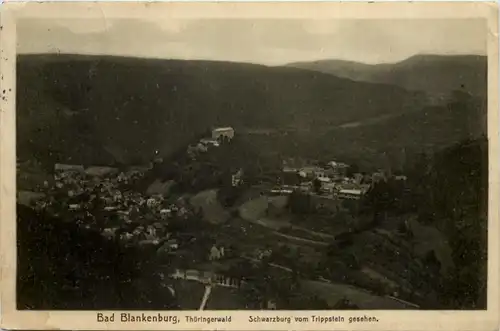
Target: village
x: 175, y: 163
x: 217, y: 251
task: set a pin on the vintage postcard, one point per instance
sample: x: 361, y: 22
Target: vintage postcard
x: 249, y: 166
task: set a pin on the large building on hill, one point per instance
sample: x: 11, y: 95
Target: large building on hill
x: 226, y: 132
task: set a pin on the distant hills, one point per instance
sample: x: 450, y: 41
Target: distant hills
x: 435, y: 74
x: 395, y: 141
x: 97, y: 109
x: 105, y: 110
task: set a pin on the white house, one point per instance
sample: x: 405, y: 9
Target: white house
x: 215, y: 253
x: 350, y: 194
x: 400, y: 177
x: 209, y: 142
x: 324, y: 180
x: 227, y: 132
x: 281, y: 191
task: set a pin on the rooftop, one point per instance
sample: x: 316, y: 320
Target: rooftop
x: 351, y: 191
x: 223, y: 129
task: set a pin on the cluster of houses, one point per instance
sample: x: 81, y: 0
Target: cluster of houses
x: 206, y: 277
x: 100, y: 197
x: 331, y: 180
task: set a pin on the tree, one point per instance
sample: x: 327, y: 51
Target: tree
x: 378, y: 201
x: 317, y: 185
x: 300, y: 203
x: 309, y: 302
x: 353, y: 169
x: 351, y: 260
x: 432, y: 261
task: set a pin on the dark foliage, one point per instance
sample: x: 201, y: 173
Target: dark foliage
x: 454, y: 198
x: 128, y: 108
x: 448, y: 191
x: 61, y: 266
x: 317, y: 185
x: 300, y: 203
x: 437, y: 75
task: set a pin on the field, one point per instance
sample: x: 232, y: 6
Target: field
x: 26, y: 197
x: 210, y: 205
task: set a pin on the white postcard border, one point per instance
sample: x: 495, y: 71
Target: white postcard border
x: 387, y: 320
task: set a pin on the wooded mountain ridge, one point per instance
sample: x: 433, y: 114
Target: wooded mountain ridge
x: 103, y: 110
x: 437, y: 75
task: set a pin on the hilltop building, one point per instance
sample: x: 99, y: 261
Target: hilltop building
x: 220, y: 133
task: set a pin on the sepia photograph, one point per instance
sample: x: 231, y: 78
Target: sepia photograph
x: 233, y: 164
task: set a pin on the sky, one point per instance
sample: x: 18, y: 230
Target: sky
x: 268, y: 42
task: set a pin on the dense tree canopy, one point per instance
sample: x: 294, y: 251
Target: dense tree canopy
x: 455, y: 200
x: 448, y: 192
x: 61, y: 266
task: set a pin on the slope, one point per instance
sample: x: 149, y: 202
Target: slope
x: 61, y: 266
x: 95, y: 109
x: 396, y: 140
x: 434, y: 74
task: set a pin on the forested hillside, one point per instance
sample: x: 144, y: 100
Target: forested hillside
x: 65, y: 267
x: 104, y: 109
x: 448, y: 191
x: 454, y: 197
x: 437, y: 75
